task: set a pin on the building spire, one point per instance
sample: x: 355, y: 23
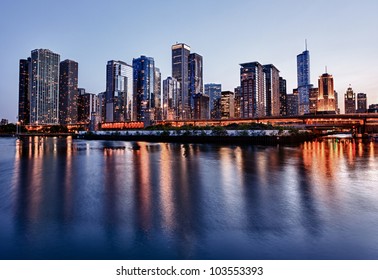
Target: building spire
x: 306, y: 44
x: 326, y: 69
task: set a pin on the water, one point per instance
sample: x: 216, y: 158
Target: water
x: 77, y: 199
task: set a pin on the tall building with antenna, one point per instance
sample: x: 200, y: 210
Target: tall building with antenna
x: 304, y: 86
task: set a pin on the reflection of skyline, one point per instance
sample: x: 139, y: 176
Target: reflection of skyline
x: 134, y: 196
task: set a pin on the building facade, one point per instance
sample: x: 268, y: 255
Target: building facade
x: 314, y: 94
x: 292, y: 104
x: 68, y: 92
x: 350, y: 101
x: 180, y: 71
x: 24, y: 91
x: 252, y: 103
x: 171, y: 99
x: 214, y: 92
x: 195, y: 77
x: 283, y: 93
x: 361, y: 103
x: 272, y: 90
x: 157, y: 94
x: 44, y: 87
x: 88, y: 106
x: 144, y: 89
x: 326, y: 97
x: 303, y: 77
x: 227, y: 105
x: 201, y: 106
x: 119, y: 92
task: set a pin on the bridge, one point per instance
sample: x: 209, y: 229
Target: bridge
x: 356, y: 123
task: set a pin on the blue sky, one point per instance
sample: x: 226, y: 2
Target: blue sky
x: 341, y: 35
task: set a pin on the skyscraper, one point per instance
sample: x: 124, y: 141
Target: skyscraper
x: 44, y: 87
x: 227, y: 105
x: 272, y: 90
x: 214, y: 92
x: 326, y: 96
x: 350, y: 101
x: 283, y: 93
x: 119, y: 90
x: 303, y: 75
x: 180, y: 71
x: 314, y: 94
x: 195, y: 74
x: 24, y: 91
x: 361, y: 103
x: 292, y: 104
x: 252, y: 90
x: 201, y: 106
x: 68, y: 92
x: 157, y: 94
x: 144, y: 88
x: 88, y: 106
x: 171, y: 96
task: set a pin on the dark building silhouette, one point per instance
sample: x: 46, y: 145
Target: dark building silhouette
x: 68, y: 92
x: 23, y: 91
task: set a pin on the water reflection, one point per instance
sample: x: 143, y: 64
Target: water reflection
x: 106, y: 199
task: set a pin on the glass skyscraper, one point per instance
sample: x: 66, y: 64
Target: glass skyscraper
x: 119, y: 90
x: 180, y: 71
x: 68, y: 92
x: 171, y: 99
x: 144, y: 88
x: 44, y: 87
x: 24, y: 94
x: 303, y: 75
x: 214, y: 92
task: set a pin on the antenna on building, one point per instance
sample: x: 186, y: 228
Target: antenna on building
x: 306, y: 44
x: 326, y: 69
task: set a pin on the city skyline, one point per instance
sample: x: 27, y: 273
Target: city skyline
x: 346, y: 48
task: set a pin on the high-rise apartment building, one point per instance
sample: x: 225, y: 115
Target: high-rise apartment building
x: 88, y: 106
x: 119, y: 91
x: 227, y: 105
x: 314, y: 93
x: 272, y: 90
x: 326, y: 97
x: 157, y: 95
x: 303, y: 75
x: 201, y: 106
x: 350, y: 101
x: 180, y: 71
x: 24, y: 91
x: 171, y: 99
x: 252, y: 104
x: 68, y: 92
x: 197, y: 99
x: 195, y: 74
x: 361, y: 103
x: 292, y: 104
x: 283, y: 93
x: 144, y: 88
x: 44, y: 87
x: 237, y: 102
x: 214, y: 92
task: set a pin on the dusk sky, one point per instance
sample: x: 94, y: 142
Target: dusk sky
x: 342, y: 35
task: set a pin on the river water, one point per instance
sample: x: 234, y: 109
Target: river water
x: 75, y: 199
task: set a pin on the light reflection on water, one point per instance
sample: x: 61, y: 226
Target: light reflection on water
x: 74, y: 199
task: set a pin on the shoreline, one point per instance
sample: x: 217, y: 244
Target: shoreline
x: 185, y: 139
